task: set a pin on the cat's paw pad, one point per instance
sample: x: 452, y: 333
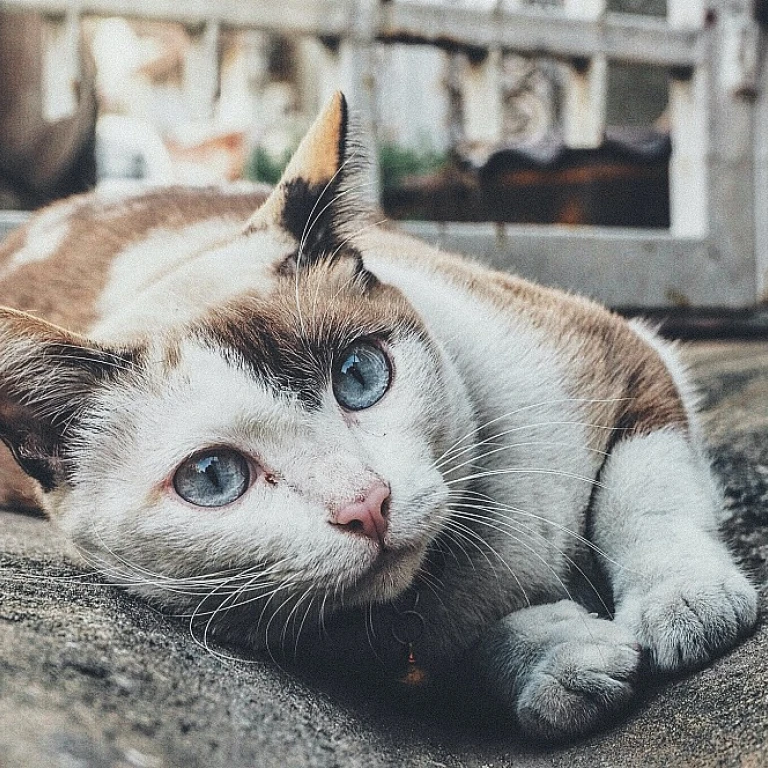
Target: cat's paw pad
x: 684, y: 623
x: 578, y: 685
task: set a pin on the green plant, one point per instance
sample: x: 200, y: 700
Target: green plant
x: 262, y: 166
x: 395, y: 163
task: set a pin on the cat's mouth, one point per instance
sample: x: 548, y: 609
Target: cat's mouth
x: 387, y: 576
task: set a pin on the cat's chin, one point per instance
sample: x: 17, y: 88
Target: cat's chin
x: 388, y: 576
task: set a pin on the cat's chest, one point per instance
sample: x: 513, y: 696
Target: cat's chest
x: 461, y: 587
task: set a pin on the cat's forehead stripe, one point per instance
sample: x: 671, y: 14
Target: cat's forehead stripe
x: 291, y: 339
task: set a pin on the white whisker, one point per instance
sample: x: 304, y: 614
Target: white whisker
x: 542, y: 404
x: 527, y: 471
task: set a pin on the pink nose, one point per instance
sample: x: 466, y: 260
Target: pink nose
x: 367, y: 517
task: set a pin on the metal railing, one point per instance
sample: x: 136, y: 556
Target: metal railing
x: 716, y: 250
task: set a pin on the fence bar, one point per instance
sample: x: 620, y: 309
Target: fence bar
x: 584, y: 9
x: 618, y: 36
x: 686, y: 14
x: 740, y: 56
x: 622, y: 37
x: 688, y: 177
x: 761, y: 174
x: 61, y: 68
x: 761, y: 187
x: 201, y: 71
x: 619, y: 267
x: 358, y: 81
x: 482, y: 99
x: 732, y: 207
x: 688, y: 108
x: 586, y: 86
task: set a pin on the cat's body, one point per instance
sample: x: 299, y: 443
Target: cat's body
x: 406, y: 443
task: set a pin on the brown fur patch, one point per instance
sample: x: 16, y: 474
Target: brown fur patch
x: 65, y: 287
x: 608, y: 360
x: 291, y: 339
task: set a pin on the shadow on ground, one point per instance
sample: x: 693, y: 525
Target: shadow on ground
x: 90, y: 677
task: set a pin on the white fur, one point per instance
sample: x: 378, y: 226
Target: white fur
x: 675, y: 584
x: 45, y: 234
x: 173, y: 276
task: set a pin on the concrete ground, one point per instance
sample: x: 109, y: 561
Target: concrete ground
x: 91, y: 678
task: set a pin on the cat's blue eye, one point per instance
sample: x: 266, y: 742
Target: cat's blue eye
x: 361, y: 376
x: 212, y: 478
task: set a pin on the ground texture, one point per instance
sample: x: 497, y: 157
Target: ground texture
x: 91, y: 678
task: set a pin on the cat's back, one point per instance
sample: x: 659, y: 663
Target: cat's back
x: 520, y: 334
x: 60, y: 264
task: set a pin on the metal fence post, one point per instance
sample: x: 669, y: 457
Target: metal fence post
x: 61, y: 72
x: 482, y: 99
x: 732, y: 207
x: 689, y: 99
x: 761, y: 171
x: 201, y: 71
x: 586, y: 87
x: 357, y: 79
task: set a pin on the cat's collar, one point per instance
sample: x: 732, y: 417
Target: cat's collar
x: 407, y: 624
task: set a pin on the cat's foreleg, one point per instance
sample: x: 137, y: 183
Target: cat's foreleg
x: 561, y: 671
x: 676, y: 586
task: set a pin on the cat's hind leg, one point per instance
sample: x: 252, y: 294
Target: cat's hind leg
x: 676, y: 586
x: 560, y: 670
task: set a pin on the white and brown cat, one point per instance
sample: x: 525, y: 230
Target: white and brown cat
x: 265, y: 410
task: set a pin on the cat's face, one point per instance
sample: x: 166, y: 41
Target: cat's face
x: 277, y: 452
x: 239, y: 445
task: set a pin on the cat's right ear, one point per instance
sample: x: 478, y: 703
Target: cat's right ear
x: 313, y: 201
x: 48, y: 377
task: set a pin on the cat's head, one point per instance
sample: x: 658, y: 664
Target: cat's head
x: 282, y: 449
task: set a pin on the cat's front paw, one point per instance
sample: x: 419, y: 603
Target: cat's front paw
x: 684, y: 623
x: 578, y: 685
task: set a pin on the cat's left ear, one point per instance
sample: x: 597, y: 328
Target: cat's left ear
x: 48, y: 379
x: 311, y: 202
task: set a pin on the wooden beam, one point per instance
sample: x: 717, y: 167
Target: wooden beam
x: 617, y: 266
x: 536, y: 31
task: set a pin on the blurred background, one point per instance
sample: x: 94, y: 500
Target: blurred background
x: 162, y: 113
x: 642, y: 121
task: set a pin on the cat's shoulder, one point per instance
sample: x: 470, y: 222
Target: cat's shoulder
x: 545, y: 307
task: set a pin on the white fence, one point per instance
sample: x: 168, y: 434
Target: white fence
x: 716, y: 251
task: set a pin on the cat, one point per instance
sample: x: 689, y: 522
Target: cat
x: 300, y: 426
